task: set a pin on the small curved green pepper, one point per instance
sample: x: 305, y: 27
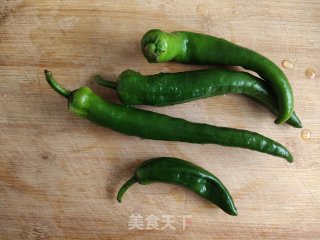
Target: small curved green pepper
x: 183, y: 173
x: 150, y: 125
x: 195, y: 48
x: 164, y: 89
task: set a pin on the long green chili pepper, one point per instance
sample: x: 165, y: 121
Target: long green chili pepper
x: 183, y: 173
x: 164, y: 89
x: 188, y: 47
x: 145, y: 124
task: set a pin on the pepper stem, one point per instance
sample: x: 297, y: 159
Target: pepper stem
x: 53, y: 83
x: 105, y: 83
x: 125, y: 187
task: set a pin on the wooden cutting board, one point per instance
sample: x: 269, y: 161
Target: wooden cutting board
x: 59, y: 174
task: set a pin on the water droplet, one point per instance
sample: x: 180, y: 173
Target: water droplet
x: 287, y: 64
x: 310, y: 73
x: 305, y: 134
x: 202, y: 9
x: 4, y: 95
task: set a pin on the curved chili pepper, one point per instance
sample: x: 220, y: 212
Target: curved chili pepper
x: 188, y: 47
x: 145, y: 124
x: 164, y: 89
x: 183, y: 173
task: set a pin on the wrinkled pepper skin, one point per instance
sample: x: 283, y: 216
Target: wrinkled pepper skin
x: 164, y: 89
x: 150, y: 125
x: 196, y: 48
x: 183, y: 173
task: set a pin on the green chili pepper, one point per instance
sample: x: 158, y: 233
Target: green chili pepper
x: 145, y: 124
x: 172, y: 88
x: 183, y: 173
x: 188, y: 47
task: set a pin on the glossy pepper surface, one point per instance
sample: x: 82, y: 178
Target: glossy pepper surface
x: 145, y: 124
x: 196, y: 48
x: 183, y: 173
x: 164, y: 89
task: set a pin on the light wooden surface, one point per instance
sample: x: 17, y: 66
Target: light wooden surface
x: 59, y: 174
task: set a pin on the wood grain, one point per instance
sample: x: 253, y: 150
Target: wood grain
x: 59, y: 174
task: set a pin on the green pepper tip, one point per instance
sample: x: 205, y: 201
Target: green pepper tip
x: 125, y: 187
x: 234, y: 212
x: 277, y: 121
x: 298, y: 123
x: 231, y: 209
x: 55, y: 86
x: 105, y: 83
